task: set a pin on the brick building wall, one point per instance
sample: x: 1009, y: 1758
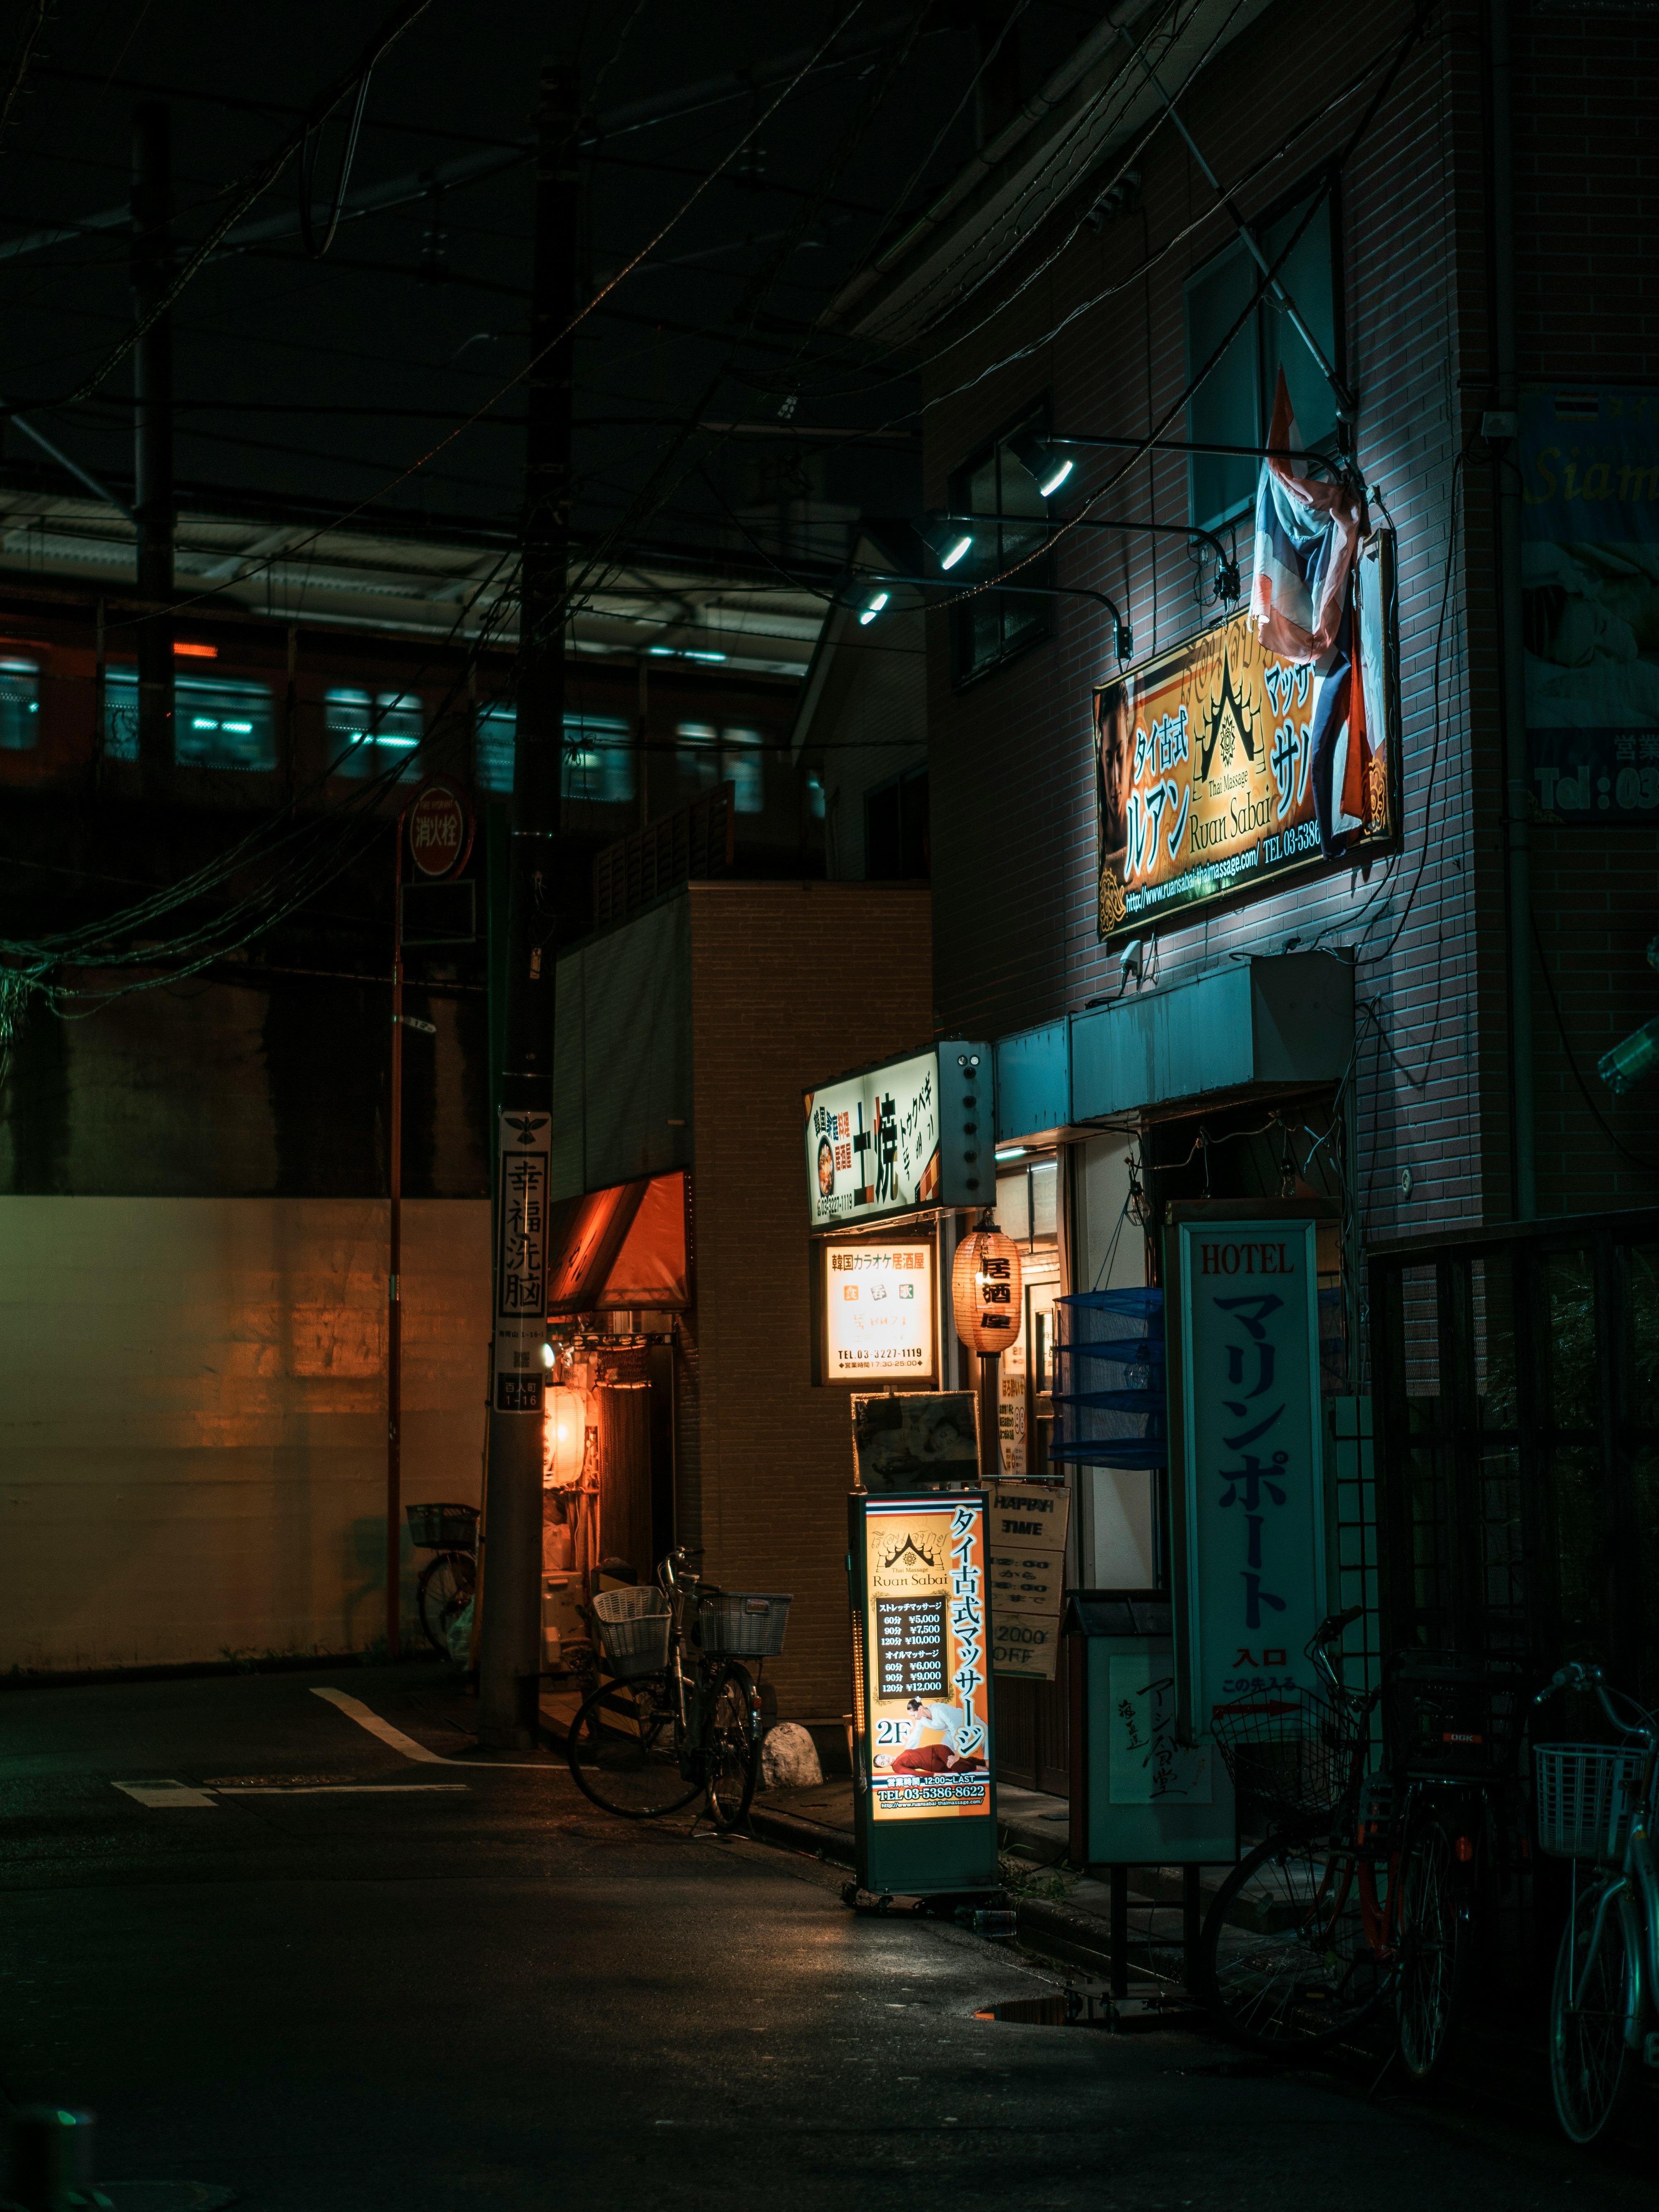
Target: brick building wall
x: 791, y: 985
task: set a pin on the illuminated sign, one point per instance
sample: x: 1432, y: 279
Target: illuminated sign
x: 917, y: 1132
x: 878, y: 1311
x: 1221, y: 770
x: 1250, y: 1528
x: 924, y: 1634
x: 1590, y: 599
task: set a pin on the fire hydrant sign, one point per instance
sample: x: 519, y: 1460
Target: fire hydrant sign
x: 1250, y: 1567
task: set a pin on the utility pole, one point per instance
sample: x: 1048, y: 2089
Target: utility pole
x: 152, y: 424
x: 510, y: 1658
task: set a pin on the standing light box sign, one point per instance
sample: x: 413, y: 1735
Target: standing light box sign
x: 520, y: 1260
x: 924, y: 1800
x: 878, y: 1311
x: 1250, y: 1576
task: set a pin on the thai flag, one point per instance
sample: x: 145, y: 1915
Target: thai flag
x: 1305, y: 534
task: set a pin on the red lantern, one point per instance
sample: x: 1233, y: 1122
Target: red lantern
x: 986, y: 1292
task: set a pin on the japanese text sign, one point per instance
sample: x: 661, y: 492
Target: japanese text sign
x: 873, y: 1142
x: 520, y: 1260
x: 1250, y: 1567
x: 926, y: 1633
x: 878, y: 1310
x: 1215, y: 763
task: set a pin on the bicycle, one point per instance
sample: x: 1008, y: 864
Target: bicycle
x: 448, y: 1581
x: 1596, y: 1802
x: 680, y: 1717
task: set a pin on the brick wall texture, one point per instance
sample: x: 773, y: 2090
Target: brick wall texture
x: 1010, y: 776
x: 792, y: 984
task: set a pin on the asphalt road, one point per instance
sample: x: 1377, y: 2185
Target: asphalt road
x: 361, y: 1980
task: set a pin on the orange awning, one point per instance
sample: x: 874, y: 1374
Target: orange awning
x: 619, y: 1248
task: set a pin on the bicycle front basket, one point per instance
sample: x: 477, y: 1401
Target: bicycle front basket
x: 442, y: 1528
x: 633, y: 1626
x: 1290, y: 1751
x: 1584, y: 1793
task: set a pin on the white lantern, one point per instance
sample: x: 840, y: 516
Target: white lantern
x: 564, y: 1436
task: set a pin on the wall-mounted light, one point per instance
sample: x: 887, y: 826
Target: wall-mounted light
x: 948, y: 540
x: 1012, y: 1152
x: 869, y: 613
x: 1047, y: 463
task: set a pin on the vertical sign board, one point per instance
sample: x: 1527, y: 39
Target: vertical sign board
x: 924, y: 1799
x: 1250, y: 1571
x: 1028, y: 1576
x: 520, y: 1260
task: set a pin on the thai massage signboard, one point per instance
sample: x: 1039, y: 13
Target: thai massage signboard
x: 1221, y: 771
x: 926, y: 1607
x: 1247, y: 1459
x: 1589, y: 577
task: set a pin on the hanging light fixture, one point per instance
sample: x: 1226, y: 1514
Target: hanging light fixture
x: 987, y: 1291
x: 564, y: 1436
x: 869, y: 613
x: 947, y: 539
x: 1047, y: 463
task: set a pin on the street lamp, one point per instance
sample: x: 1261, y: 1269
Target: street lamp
x: 870, y: 604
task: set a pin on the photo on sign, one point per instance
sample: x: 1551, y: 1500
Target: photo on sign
x: 878, y: 1306
x: 1221, y: 768
x: 924, y: 1600
x: 909, y: 1437
x: 1589, y: 600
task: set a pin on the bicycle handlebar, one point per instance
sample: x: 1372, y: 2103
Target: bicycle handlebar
x: 1577, y: 1675
x: 1332, y: 1626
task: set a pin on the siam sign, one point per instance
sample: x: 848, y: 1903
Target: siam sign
x: 1209, y: 771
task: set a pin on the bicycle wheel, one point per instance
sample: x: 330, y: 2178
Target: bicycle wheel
x: 732, y: 1746
x: 1291, y: 1956
x: 623, y: 1750
x: 446, y: 1584
x: 1590, y: 2060
x: 1435, y: 1937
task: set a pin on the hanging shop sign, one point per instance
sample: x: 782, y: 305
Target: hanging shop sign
x: 986, y: 1292
x: 520, y: 1260
x: 1028, y: 1522
x: 877, y: 1302
x: 915, y: 1132
x: 904, y: 1438
x: 924, y: 1799
x: 1215, y: 763
x: 1246, y: 1457
x: 1590, y: 579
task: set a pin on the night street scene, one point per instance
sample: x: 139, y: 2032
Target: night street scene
x: 829, y: 1028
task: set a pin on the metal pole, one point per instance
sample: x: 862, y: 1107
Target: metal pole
x: 510, y: 1663
x: 1517, y: 778
x: 152, y: 421
x: 394, y: 1311
x: 990, y: 1416
x: 1118, y: 1912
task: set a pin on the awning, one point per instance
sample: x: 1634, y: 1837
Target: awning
x: 623, y: 1246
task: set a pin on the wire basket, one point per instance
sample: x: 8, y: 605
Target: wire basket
x: 633, y: 1626
x: 1584, y: 1793
x: 1290, y: 1751
x: 1111, y: 1406
x: 742, y: 1624
x: 1447, y: 1722
x: 443, y: 1527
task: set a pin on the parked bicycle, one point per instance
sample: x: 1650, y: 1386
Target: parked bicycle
x: 448, y: 1580
x: 1364, y: 1886
x: 1596, y: 1805
x: 680, y: 1717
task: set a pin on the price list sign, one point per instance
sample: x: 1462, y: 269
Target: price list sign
x: 910, y: 1647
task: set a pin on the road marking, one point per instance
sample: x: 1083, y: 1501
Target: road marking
x: 356, y: 1710
x: 166, y: 1793
x: 342, y: 1789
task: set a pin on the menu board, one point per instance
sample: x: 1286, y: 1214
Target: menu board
x: 1029, y: 1522
x: 924, y: 1602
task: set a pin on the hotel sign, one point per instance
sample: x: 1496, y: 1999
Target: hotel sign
x: 1215, y: 763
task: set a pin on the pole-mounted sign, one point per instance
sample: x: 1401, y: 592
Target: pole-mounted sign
x: 440, y: 830
x: 521, y: 1260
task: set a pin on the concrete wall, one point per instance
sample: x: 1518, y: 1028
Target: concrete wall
x: 791, y: 984
x: 192, y: 1417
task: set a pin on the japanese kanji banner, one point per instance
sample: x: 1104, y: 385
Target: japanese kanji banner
x: 1589, y: 573
x: 521, y: 1218
x: 1248, y: 1471
x: 1222, y: 767
x: 925, y: 1630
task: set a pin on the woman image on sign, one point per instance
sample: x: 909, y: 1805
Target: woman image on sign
x: 947, y: 1722
x: 826, y: 1168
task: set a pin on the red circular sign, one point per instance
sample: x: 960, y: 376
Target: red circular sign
x: 440, y: 830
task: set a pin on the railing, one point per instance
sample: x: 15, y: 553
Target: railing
x: 696, y: 842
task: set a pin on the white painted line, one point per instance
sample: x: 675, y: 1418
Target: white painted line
x: 161, y: 1794
x: 356, y: 1710
x: 343, y: 1788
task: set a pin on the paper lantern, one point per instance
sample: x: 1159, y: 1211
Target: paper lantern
x: 986, y: 1290
x: 564, y: 1436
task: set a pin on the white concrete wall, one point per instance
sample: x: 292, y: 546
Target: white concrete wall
x: 192, y: 1417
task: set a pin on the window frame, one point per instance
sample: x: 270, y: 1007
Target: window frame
x: 1275, y: 212
x: 1039, y: 627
